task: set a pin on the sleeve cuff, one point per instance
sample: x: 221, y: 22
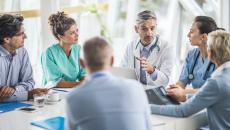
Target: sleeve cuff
x: 155, y: 109
x: 21, y: 96
x: 17, y: 96
x: 154, y: 75
x: 188, y: 96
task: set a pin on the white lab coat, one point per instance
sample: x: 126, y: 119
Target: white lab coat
x: 162, y: 59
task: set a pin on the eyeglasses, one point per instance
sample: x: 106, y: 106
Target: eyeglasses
x: 20, y: 34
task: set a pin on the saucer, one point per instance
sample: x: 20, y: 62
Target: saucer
x: 51, y: 102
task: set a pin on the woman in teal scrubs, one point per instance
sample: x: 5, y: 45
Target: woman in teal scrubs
x: 61, y: 61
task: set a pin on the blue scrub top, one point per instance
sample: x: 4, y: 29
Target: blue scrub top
x: 201, y: 71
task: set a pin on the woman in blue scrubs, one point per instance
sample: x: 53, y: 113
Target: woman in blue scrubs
x: 214, y: 94
x: 61, y: 62
x: 197, y: 68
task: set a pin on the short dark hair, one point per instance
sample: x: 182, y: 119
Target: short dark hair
x: 60, y: 23
x: 96, y: 53
x: 9, y: 25
x: 206, y: 24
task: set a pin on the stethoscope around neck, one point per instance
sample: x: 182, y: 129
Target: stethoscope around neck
x: 205, y: 76
x: 155, y: 45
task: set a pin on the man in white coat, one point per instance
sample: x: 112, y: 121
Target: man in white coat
x: 149, y: 55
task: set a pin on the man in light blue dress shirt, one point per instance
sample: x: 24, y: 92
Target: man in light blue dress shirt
x: 16, y: 82
x: 105, y: 102
x: 215, y: 93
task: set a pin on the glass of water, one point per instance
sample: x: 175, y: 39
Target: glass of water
x: 39, y: 100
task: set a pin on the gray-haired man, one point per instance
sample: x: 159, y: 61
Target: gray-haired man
x: 149, y: 55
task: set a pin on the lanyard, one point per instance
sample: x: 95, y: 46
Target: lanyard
x: 97, y: 74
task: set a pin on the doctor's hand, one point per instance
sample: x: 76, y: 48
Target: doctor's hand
x: 177, y: 92
x: 146, y: 66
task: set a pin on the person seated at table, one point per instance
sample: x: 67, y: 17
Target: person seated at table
x: 197, y: 68
x: 16, y: 82
x: 61, y: 61
x: 214, y: 94
x: 105, y: 102
x: 150, y: 55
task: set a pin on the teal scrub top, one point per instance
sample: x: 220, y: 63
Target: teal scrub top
x: 57, y: 66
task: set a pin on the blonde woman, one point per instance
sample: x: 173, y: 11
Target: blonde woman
x: 214, y: 94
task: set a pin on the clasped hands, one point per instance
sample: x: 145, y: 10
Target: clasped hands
x: 176, y: 92
x: 7, y: 91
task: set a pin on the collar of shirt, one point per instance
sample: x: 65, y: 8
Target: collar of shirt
x: 204, y: 61
x: 4, y: 52
x: 99, y: 74
x: 148, y: 46
x: 220, y: 68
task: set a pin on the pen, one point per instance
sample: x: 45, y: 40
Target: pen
x: 61, y: 90
x: 138, y: 58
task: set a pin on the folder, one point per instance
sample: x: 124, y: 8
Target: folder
x: 10, y: 106
x: 55, y: 123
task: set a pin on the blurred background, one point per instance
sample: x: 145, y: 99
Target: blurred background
x: 115, y: 20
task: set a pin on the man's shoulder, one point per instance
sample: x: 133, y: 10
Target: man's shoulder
x: 81, y: 92
x: 74, y: 93
x: 133, y: 42
x: 112, y: 81
x: 163, y: 43
x: 21, y: 51
x: 126, y: 83
x: 128, y: 87
x: 86, y: 85
x: 130, y: 81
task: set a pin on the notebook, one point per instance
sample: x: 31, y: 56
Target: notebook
x: 10, y: 106
x: 158, y: 96
x: 55, y: 123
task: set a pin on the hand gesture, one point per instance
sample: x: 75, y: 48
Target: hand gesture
x: 6, y: 91
x: 145, y: 64
x: 176, y: 92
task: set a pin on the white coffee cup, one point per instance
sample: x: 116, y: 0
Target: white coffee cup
x: 53, y: 96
